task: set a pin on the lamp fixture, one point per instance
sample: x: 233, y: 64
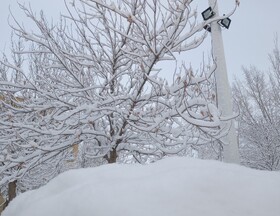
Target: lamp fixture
x: 207, y: 28
x: 208, y: 13
x: 225, y: 22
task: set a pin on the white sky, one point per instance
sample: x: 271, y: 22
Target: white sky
x: 247, y: 42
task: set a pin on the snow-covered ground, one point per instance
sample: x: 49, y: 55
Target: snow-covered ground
x: 171, y: 187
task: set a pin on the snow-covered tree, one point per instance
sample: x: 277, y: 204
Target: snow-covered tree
x: 258, y: 101
x: 93, y: 80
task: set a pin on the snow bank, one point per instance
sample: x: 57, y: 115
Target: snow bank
x: 171, y: 187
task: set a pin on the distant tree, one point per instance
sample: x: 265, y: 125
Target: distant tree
x: 92, y: 81
x: 258, y: 101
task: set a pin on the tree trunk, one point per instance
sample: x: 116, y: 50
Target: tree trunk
x: 2, y: 203
x: 12, y: 190
x: 113, y: 156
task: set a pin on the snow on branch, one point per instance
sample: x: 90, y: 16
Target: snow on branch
x: 91, y: 81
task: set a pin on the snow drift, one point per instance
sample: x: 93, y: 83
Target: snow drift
x: 171, y: 187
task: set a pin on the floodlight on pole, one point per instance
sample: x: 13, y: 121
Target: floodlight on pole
x: 207, y: 28
x: 224, y: 96
x: 208, y: 13
x: 225, y: 22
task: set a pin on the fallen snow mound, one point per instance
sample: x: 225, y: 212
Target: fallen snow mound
x: 171, y: 187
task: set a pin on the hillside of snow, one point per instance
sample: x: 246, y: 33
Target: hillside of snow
x: 171, y: 187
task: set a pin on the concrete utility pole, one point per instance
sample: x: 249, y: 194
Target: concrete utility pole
x: 224, y: 95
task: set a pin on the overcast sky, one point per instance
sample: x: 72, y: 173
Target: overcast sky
x: 247, y: 42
